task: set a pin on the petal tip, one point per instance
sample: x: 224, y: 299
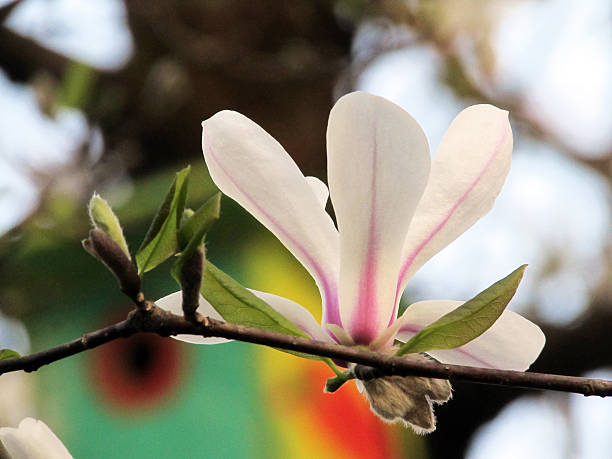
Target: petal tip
x: 493, y: 109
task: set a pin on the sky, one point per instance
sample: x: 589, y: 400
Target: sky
x: 548, y: 426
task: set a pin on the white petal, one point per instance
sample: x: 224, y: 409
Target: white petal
x: 32, y: 440
x: 378, y: 163
x: 173, y: 303
x: 467, y: 174
x: 320, y: 190
x: 296, y: 313
x: 512, y: 343
x: 252, y: 168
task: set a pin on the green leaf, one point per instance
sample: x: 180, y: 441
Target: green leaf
x: 468, y: 321
x: 239, y: 306
x: 103, y: 217
x: 403, y: 305
x: 161, y: 241
x: 6, y: 354
x: 198, y: 224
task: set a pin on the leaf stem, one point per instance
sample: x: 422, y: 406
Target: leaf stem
x: 337, y: 371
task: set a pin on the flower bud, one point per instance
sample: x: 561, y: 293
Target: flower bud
x: 105, y: 249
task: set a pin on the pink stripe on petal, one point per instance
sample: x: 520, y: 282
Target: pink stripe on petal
x: 324, y: 280
x: 411, y: 257
x: 364, y: 326
x: 378, y: 163
x: 452, y: 210
x: 467, y: 174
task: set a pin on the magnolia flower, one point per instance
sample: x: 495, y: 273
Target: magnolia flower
x: 395, y: 209
x: 31, y: 440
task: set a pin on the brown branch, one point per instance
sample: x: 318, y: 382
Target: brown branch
x: 34, y: 361
x: 156, y: 320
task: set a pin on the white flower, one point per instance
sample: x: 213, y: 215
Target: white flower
x: 394, y: 207
x: 31, y: 440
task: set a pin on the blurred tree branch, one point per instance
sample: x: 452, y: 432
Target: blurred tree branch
x: 22, y: 57
x: 425, y: 19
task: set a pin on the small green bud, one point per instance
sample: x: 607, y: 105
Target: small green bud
x: 103, y: 217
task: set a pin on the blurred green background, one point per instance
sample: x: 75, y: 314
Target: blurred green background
x: 109, y: 96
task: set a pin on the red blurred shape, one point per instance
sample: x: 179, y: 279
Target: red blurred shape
x: 137, y: 372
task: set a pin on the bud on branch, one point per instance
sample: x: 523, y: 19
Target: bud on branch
x: 191, y: 281
x: 102, y: 247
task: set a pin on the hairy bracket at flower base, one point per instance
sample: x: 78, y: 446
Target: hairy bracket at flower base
x: 395, y: 208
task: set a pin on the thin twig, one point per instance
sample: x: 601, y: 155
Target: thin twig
x: 34, y: 361
x: 156, y: 320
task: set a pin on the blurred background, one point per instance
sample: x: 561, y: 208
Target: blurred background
x: 109, y: 96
